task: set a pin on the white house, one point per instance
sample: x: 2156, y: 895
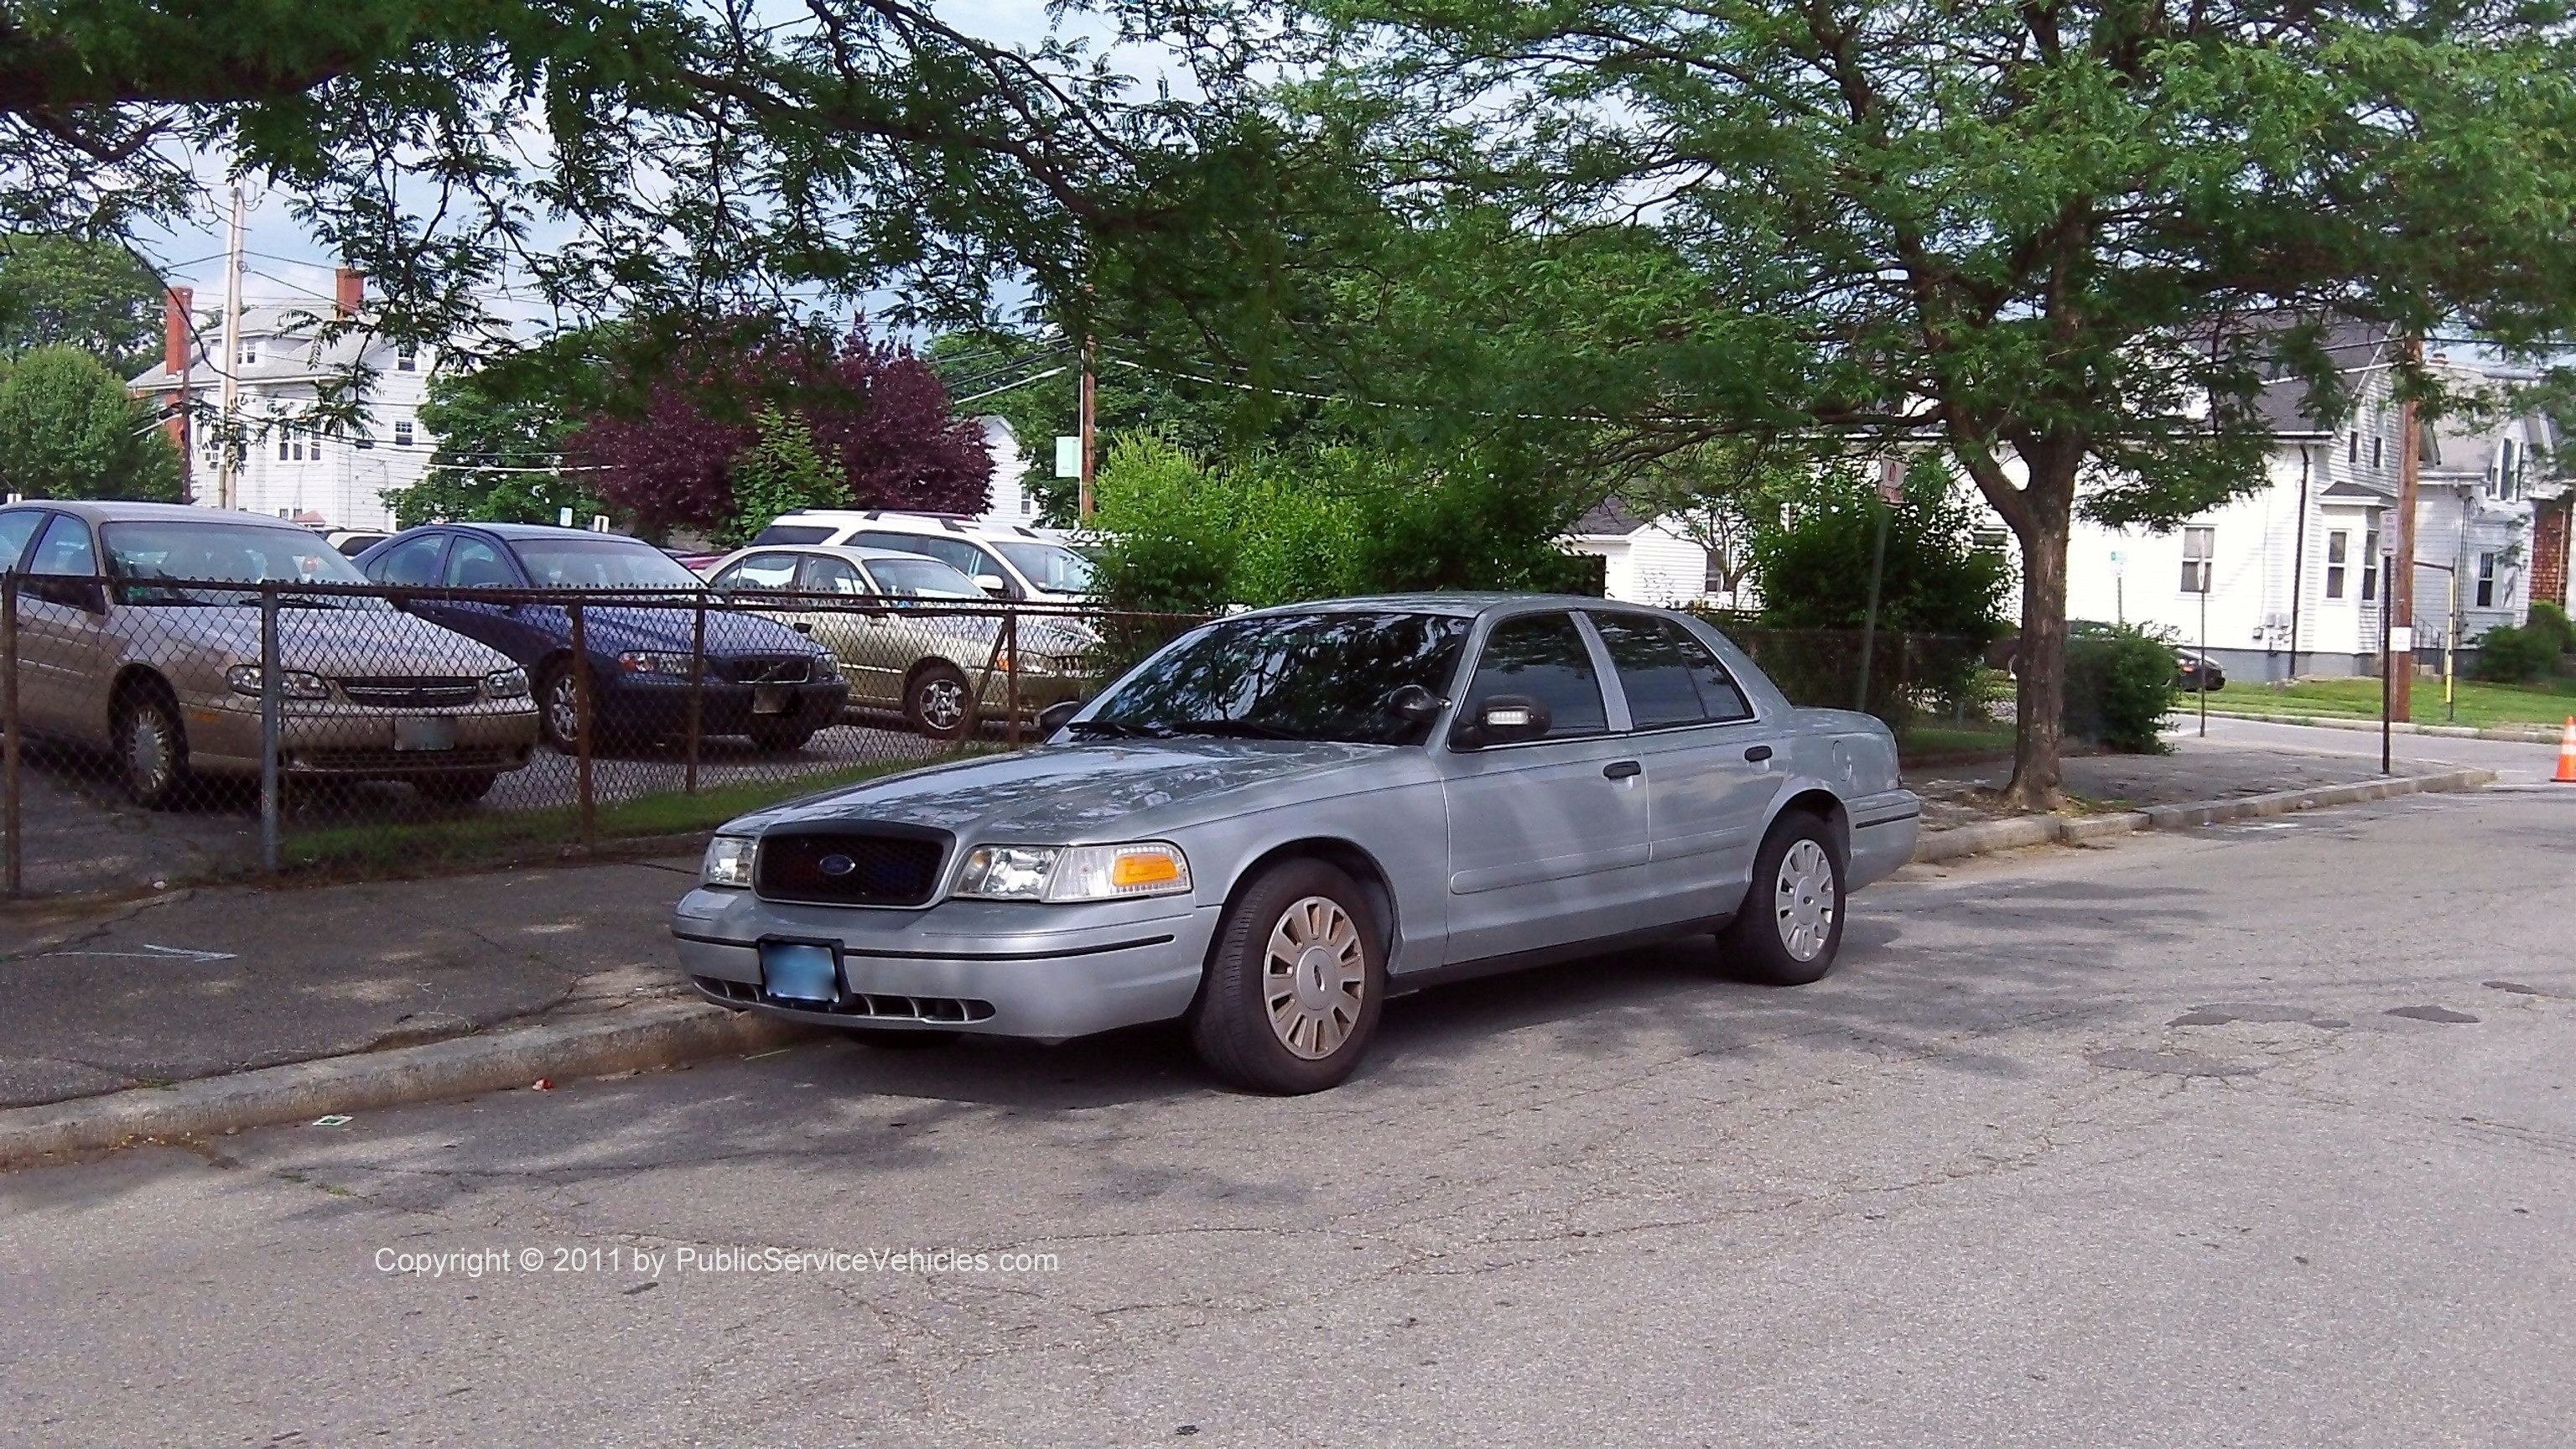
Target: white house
x: 2290, y: 575
x: 293, y: 470
x: 1013, y: 501
x: 1643, y: 561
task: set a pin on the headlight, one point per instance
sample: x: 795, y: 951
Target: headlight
x: 291, y: 683
x: 506, y: 684
x: 1073, y: 873
x: 728, y: 862
x: 646, y: 661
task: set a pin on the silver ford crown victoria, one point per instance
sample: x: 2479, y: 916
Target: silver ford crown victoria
x: 1284, y: 817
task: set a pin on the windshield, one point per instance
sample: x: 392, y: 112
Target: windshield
x: 1289, y: 676
x: 1051, y: 568
x: 922, y: 578
x: 601, y: 563
x: 142, y: 554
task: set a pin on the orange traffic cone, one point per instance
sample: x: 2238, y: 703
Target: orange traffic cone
x: 2567, y: 755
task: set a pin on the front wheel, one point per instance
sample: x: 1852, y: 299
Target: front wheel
x: 934, y: 701
x: 1791, y: 923
x: 559, y: 706
x: 151, y: 751
x: 1295, y: 982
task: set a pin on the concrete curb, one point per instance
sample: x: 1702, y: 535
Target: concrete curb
x: 2511, y: 734
x: 2027, y: 830
x: 634, y: 1038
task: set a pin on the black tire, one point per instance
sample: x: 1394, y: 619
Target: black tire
x: 1766, y: 941
x: 151, y: 746
x: 557, y: 716
x: 1245, y: 1018
x: 937, y: 702
x: 887, y: 1038
x: 781, y: 737
x: 455, y: 789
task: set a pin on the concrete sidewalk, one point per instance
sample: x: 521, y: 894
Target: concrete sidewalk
x: 2197, y: 770
x: 203, y: 982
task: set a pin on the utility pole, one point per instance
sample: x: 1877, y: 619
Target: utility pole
x: 227, y: 481
x: 2401, y: 580
x: 1084, y: 499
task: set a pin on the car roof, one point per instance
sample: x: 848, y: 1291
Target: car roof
x: 1458, y: 604
x: 836, y: 550
x: 955, y: 525
x: 110, y: 510
x: 544, y: 530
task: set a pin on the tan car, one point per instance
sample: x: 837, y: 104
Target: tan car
x: 914, y: 634
x: 164, y: 671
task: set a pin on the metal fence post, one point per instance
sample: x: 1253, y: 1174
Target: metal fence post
x: 1011, y: 679
x: 10, y: 842
x: 697, y: 689
x: 271, y: 698
x: 583, y: 726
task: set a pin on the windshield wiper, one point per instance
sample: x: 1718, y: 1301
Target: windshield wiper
x: 1118, y: 730
x: 1242, y: 729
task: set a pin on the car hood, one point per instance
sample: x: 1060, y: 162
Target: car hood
x: 331, y: 642
x: 1090, y: 792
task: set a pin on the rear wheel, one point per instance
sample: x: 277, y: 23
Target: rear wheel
x: 1791, y: 924
x: 455, y: 789
x: 1295, y: 983
x: 151, y: 751
x: 934, y: 701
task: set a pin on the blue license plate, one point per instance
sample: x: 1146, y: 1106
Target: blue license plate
x: 793, y: 971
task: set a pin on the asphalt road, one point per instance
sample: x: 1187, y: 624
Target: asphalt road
x: 2250, y: 1135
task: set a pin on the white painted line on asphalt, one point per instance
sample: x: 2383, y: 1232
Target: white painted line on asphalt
x: 153, y: 953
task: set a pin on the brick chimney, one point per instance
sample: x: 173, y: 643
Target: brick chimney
x: 178, y: 356
x: 350, y: 291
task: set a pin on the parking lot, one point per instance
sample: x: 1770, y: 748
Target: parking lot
x: 2255, y: 1134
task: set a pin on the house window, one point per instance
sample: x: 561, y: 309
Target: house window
x: 408, y: 359
x: 2352, y: 448
x: 363, y: 441
x: 284, y: 441
x: 248, y: 354
x: 2369, y: 566
x: 2338, y: 546
x: 2199, y: 551
x: 402, y: 435
x: 2375, y: 441
x: 1990, y: 540
x: 2508, y: 470
x: 2486, y: 580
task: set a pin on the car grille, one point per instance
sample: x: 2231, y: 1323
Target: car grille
x: 873, y: 866
x: 869, y: 1007
x: 791, y: 670
x: 423, y: 693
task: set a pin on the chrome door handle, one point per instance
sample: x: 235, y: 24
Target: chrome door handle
x: 1758, y: 753
x: 1621, y: 769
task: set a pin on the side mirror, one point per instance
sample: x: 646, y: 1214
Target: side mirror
x: 1414, y: 704
x: 992, y: 584
x: 1504, y: 719
x: 1056, y: 716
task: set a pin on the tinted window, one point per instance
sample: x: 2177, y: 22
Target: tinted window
x: 15, y: 530
x: 575, y: 562
x: 778, y: 533
x: 414, y: 561
x: 957, y: 553
x: 477, y: 564
x: 144, y: 555
x: 1289, y: 676
x: 1051, y: 567
x: 65, y: 549
x: 922, y: 578
x: 1670, y: 678
x: 1542, y: 656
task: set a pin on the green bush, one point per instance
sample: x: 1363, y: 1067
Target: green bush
x: 2120, y: 685
x: 2550, y: 622
x: 2507, y: 655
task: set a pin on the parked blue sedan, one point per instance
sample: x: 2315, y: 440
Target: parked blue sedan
x: 761, y: 680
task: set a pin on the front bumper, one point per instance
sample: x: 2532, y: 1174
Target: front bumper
x: 639, y: 710
x: 338, y: 739
x: 997, y: 968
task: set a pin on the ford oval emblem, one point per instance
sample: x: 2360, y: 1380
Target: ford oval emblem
x: 836, y: 866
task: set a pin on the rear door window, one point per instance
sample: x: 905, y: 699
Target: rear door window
x: 1669, y: 677
x: 827, y: 575
x: 476, y: 564
x: 1543, y: 657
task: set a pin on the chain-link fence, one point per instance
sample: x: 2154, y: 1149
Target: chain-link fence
x: 1906, y: 679
x: 177, y: 728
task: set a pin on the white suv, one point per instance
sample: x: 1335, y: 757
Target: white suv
x: 1005, y: 561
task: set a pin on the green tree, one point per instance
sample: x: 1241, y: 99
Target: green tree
x: 1814, y: 563
x: 69, y: 429
x: 88, y: 294
x: 780, y: 473
x: 2072, y: 243
x: 500, y: 434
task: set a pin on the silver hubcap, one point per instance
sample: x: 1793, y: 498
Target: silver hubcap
x: 563, y: 708
x: 1314, y: 977
x: 943, y: 703
x: 149, y: 750
x: 1803, y: 901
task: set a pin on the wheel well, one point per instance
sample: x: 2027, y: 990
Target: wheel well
x: 134, y: 681
x: 1822, y: 805
x: 1342, y: 855
x: 927, y: 663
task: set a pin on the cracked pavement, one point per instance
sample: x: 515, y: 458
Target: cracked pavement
x: 2255, y: 1134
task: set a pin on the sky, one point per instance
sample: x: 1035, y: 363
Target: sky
x: 284, y: 265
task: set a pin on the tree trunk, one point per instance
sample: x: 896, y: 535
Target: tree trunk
x: 2039, y: 728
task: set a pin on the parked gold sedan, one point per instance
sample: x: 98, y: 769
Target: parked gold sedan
x: 139, y: 632
x: 911, y: 633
